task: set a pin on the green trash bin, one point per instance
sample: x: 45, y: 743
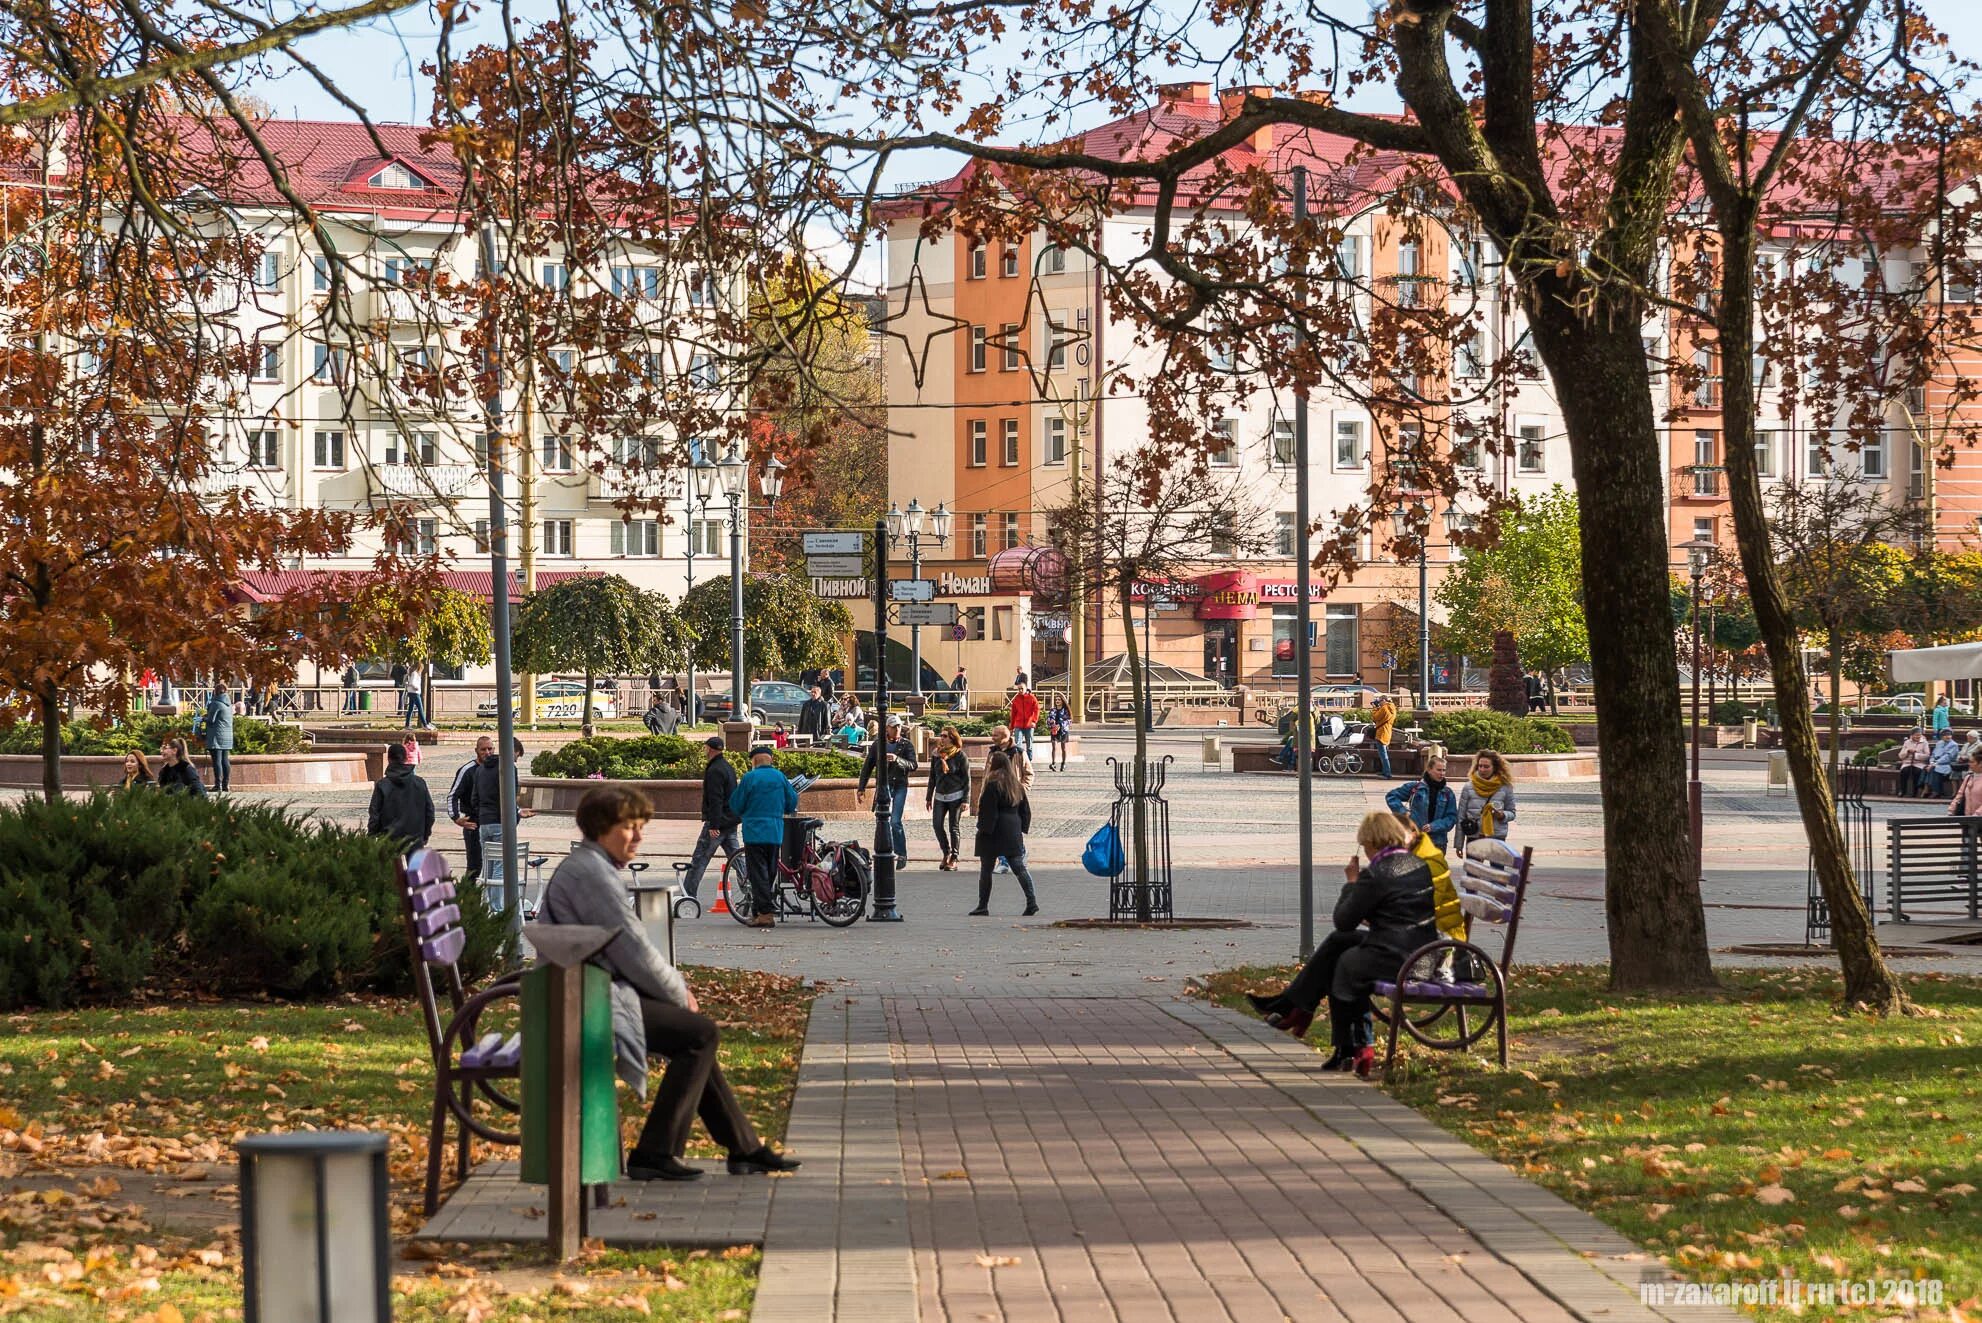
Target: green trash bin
x: 598, y: 1106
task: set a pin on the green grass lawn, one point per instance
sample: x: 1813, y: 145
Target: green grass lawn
x: 1740, y: 1136
x: 152, y: 1098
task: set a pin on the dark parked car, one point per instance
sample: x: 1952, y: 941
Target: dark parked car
x: 770, y: 701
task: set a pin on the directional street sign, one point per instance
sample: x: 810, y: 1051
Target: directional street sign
x: 926, y: 613
x: 836, y: 566
x: 913, y: 590
x: 835, y: 544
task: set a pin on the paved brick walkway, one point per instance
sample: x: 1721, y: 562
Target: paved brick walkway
x: 1115, y: 1159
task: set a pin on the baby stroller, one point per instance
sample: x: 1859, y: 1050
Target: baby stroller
x: 1338, y: 747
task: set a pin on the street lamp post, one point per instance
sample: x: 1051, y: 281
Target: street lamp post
x: 690, y: 498
x: 1697, y: 556
x: 905, y: 527
x: 732, y: 474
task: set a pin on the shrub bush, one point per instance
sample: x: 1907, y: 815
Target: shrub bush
x: 101, y: 895
x: 146, y: 733
x: 671, y: 758
x: 1730, y: 712
x: 1869, y: 755
x: 1468, y: 730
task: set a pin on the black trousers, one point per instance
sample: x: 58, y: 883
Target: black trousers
x: 1342, y: 969
x: 762, y: 863
x: 1019, y: 871
x: 1318, y: 974
x: 472, y: 838
x: 691, y: 1086
x: 949, y: 828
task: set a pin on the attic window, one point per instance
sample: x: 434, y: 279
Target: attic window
x: 395, y: 175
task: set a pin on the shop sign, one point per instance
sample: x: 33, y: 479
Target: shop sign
x: 1229, y: 595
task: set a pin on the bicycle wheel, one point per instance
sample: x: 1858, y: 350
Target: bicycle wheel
x: 737, y: 896
x: 842, y: 910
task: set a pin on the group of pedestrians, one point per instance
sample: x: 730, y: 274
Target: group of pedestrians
x: 1929, y: 767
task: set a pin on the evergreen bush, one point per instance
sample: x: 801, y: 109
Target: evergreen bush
x: 102, y: 895
x: 145, y: 733
x: 1468, y: 730
x: 671, y: 758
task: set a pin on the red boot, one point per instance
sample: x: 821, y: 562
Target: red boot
x: 1293, y: 1022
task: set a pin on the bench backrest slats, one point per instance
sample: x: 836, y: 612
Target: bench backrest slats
x: 444, y: 949
x: 1493, y: 886
x: 424, y: 868
x: 435, y: 922
x: 429, y: 897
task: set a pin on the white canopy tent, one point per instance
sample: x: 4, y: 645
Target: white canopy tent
x: 1953, y: 661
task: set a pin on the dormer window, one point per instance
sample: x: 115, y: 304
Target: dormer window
x: 395, y: 175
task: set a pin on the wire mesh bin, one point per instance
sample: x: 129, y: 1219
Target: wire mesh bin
x: 1854, y: 819
x: 1144, y: 897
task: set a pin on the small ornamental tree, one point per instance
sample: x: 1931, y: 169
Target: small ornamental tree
x: 1505, y: 690
x: 451, y: 630
x: 1528, y: 580
x: 600, y: 626
x: 786, y: 627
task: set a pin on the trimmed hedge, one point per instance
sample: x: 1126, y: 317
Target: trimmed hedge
x: 671, y: 758
x: 102, y: 895
x: 145, y: 733
x: 1468, y: 730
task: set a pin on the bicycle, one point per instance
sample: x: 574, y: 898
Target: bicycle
x: 807, y: 890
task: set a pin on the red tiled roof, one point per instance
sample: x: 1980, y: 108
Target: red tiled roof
x: 273, y: 585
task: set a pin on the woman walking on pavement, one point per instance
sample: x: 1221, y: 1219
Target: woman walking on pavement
x: 1486, y: 799
x: 948, y: 793
x: 1059, y: 730
x: 1004, y: 816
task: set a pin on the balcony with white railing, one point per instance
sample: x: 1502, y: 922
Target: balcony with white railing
x: 424, y: 482
x: 264, y: 485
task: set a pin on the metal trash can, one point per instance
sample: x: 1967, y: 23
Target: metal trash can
x: 1211, y: 757
x: 598, y: 1108
x: 1778, y: 770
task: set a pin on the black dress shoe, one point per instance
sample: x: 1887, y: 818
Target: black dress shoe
x: 1031, y: 908
x: 1264, y: 1004
x: 979, y: 913
x: 764, y: 1160
x: 667, y: 1169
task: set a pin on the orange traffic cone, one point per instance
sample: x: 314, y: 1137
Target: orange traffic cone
x: 722, y: 902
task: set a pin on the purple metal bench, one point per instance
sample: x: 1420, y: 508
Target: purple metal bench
x: 1492, y: 882
x: 466, y: 1062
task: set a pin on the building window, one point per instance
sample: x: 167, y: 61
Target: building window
x: 1531, y: 449
x: 977, y: 260
x: 399, y: 269
x: 1224, y: 538
x: 1703, y: 530
x: 482, y: 536
x: 329, y: 453
x: 1014, y: 358
x: 1056, y: 346
x: 1225, y: 447
x: 1341, y: 646
x: 636, y: 282
x: 1011, y: 522
x: 978, y: 431
x: 268, y: 271
x: 702, y: 371
x: 1284, y: 626
x: 979, y: 535
x: 556, y: 276
x: 1283, y: 533
x: 420, y: 448
x: 261, y: 451
x: 705, y: 538
x: 701, y: 289
x: 1765, y: 454
x: 972, y: 620
x: 320, y: 273
x: 977, y: 349
x: 554, y: 454
x: 1052, y: 260
x: 1283, y: 442
x: 267, y: 363
x: 1706, y: 455
x: 329, y: 366
x: 1349, y: 451
x: 557, y: 537
x: 1872, y: 457
x: 1349, y: 258
x: 1008, y: 448
x: 1706, y: 387
x: 566, y: 360
x: 1409, y: 294
x: 1008, y: 261
x: 1816, y: 454
x: 638, y: 537
x: 1469, y: 356
x: 426, y: 536
x: 395, y: 176
x: 1056, y: 441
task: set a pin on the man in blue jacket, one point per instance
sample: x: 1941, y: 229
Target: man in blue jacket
x: 761, y: 800
x: 1428, y: 802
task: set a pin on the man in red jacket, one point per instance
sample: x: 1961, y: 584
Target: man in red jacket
x: 1025, y: 715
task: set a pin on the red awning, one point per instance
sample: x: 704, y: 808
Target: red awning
x: 273, y: 585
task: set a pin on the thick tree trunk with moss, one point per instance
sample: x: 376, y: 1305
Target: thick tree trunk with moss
x: 1868, y: 980
x: 1652, y: 907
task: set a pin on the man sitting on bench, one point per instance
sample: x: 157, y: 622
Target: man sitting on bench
x: 653, y: 1008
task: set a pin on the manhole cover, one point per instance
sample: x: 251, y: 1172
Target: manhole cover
x: 1165, y: 925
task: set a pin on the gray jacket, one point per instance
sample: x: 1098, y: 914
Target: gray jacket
x: 216, y: 724
x: 1470, y: 805
x: 587, y: 888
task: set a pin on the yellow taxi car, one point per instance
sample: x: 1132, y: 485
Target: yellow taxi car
x: 560, y: 700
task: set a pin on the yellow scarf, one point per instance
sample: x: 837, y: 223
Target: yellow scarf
x: 1486, y: 789
x: 1446, y: 913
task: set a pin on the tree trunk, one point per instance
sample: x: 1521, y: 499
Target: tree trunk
x: 1837, y: 706
x: 51, y: 742
x: 1657, y: 924
x: 1868, y: 981
x: 585, y: 714
x: 1140, y: 855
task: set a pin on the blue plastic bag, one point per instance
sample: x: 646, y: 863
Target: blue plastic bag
x: 1103, y: 856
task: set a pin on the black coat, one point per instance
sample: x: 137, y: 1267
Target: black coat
x: 1001, y: 827
x: 948, y: 776
x: 1394, y: 897
x: 402, y: 807
x: 181, y: 778
x: 813, y: 719
x: 718, y: 783
x: 897, y: 772
x: 484, y: 798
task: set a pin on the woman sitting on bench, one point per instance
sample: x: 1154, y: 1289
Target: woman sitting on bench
x: 653, y: 1008
x: 1393, y: 896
